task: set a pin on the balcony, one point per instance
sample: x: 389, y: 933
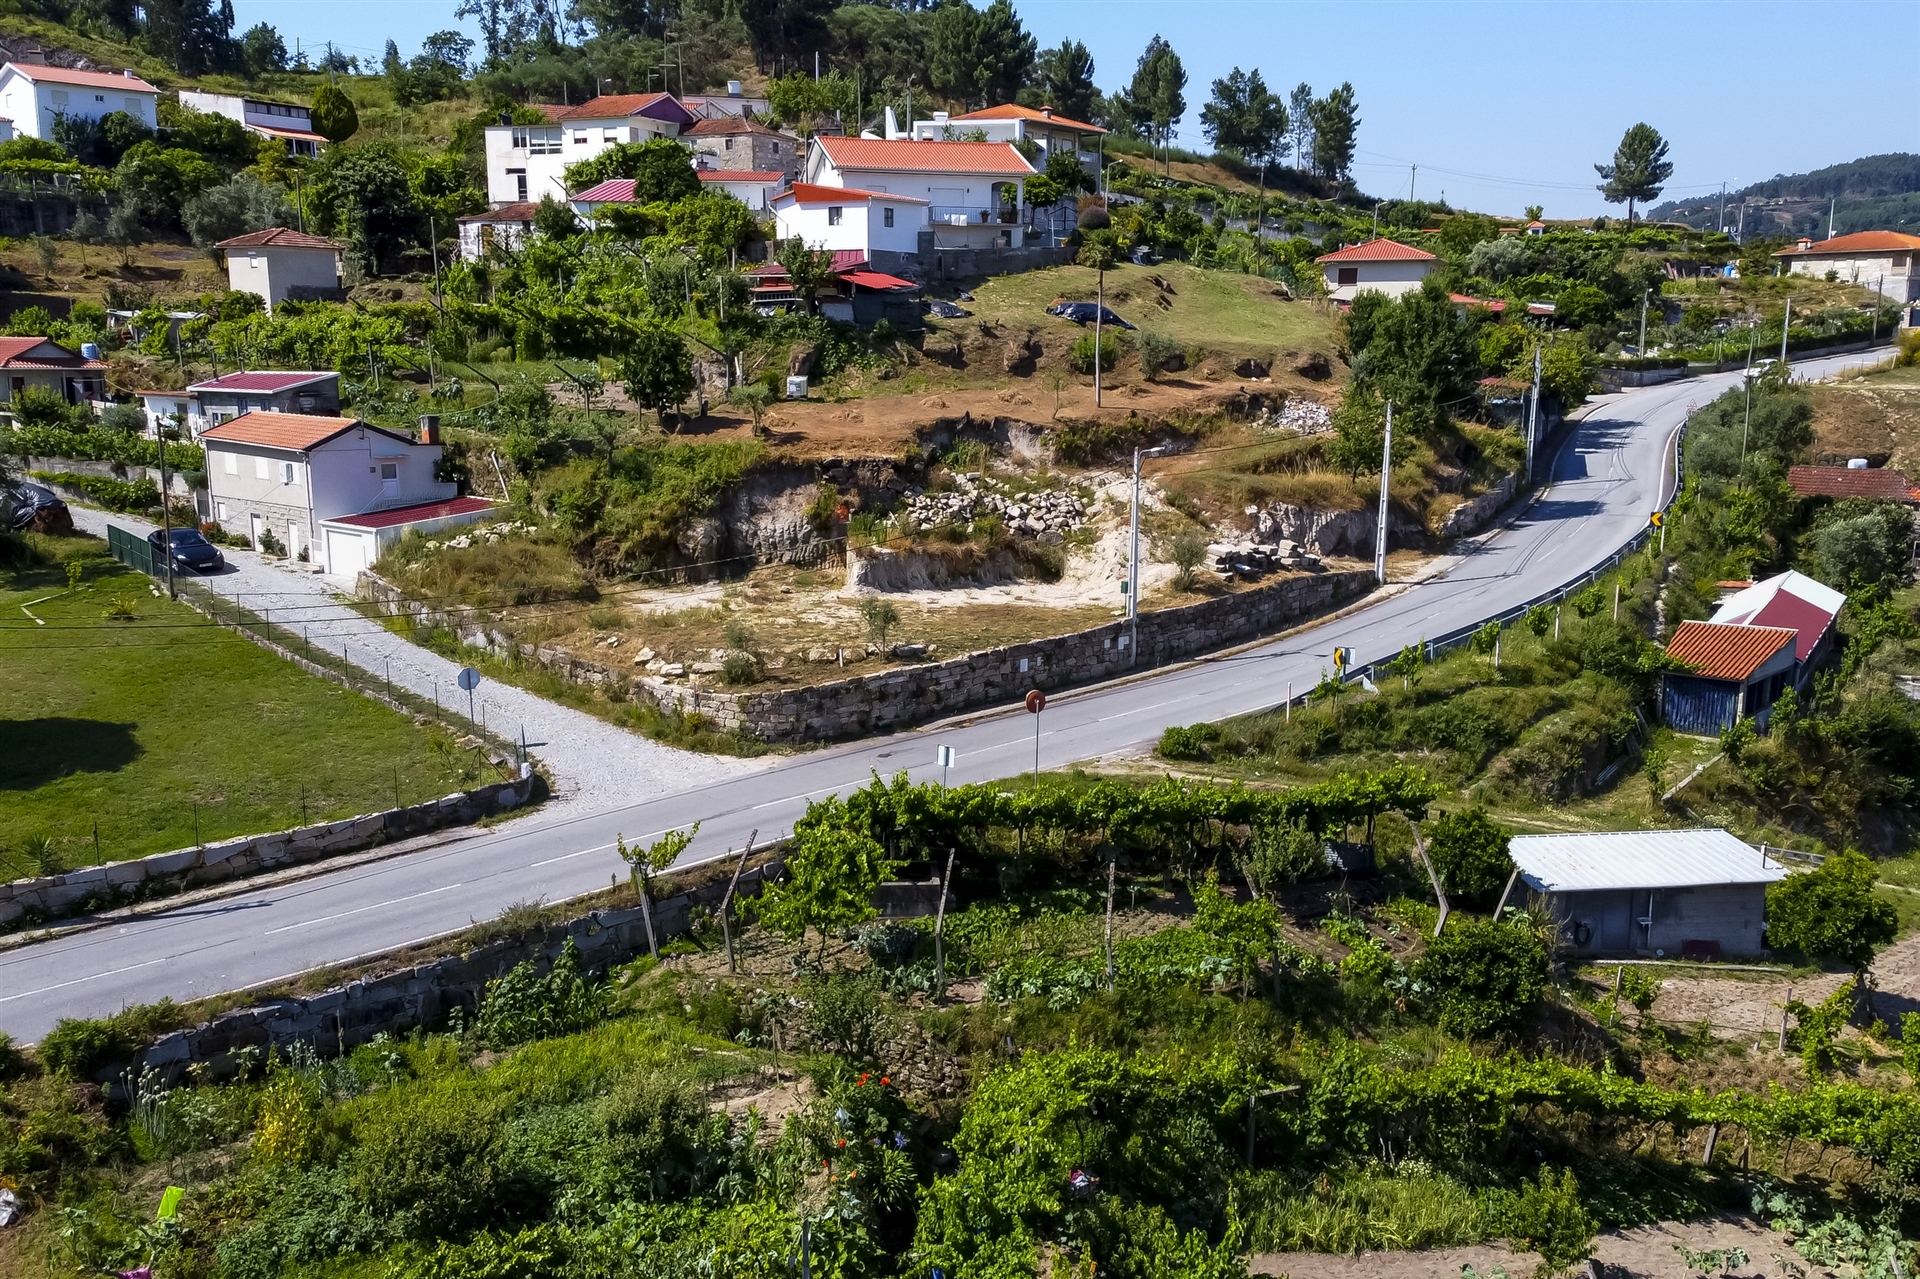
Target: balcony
x: 959, y: 215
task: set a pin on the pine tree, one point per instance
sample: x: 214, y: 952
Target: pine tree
x: 1640, y: 168
x: 1335, y: 126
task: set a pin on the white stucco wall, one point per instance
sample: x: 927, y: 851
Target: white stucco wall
x: 544, y: 168
x: 1391, y: 278
x: 273, y: 272
x: 811, y: 225
x: 1896, y: 273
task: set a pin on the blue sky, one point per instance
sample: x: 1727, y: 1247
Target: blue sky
x: 1501, y: 105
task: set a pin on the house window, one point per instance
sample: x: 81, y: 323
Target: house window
x: 389, y: 471
x: 519, y: 139
x: 537, y: 141
x: 610, y: 136
x: 727, y: 145
x: 579, y: 137
x: 233, y: 463
x: 286, y: 472
x: 886, y: 216
x: 520, y: 182
x: 222, y: 508
x: 1348, y: 275
x: 133, y: 105
x: 833, y: 215
x: 260, y: 468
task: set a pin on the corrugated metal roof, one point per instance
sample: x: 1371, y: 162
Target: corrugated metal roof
x: 1719, y: 651
x: 418, y: 513
x: 1593, y: 862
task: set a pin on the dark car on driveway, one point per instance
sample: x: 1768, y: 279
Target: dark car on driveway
x: 190, y: 550
x: 1083, y: 313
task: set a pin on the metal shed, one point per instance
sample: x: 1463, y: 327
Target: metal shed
x: 1686, y: 893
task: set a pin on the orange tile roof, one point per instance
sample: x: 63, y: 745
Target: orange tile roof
x: 902, y: 156
x: 814, y: 193
x: 613, y: 105
x: 722, y: 126
x: 1845, y: 481
x: 91, y: 79
x: 1858, y: 242
x: 1378, y: 251
x: 278, y: 237
x: 1721, y: 651
x: 298, y: 431
x: 1040, y: 115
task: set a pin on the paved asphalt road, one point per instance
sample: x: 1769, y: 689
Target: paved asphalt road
x: 1611, y: 473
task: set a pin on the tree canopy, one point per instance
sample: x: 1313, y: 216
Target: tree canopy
x: 1639, y: 171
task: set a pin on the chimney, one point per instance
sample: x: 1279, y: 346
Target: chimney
x: 733, y: 88
x: 429, y: 428
x: 128, y: 73
x: 506, y: 118
x: 1047, y: 112
x: 940, y: 117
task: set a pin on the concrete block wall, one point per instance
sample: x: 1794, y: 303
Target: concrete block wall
x: 51, y: 896
x: 341, y: 1019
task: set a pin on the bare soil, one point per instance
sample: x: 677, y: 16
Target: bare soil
x: 1644, y: 1252
x: 1748, y: 1005
x: 1868, y: 418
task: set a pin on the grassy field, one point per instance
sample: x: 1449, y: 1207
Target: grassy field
x: 141, y: 723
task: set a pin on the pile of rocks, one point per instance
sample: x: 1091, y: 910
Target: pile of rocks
x: 1298, y: 417
x: 1251, y: 561
x: 490, y: 533
x: 1030, y: 514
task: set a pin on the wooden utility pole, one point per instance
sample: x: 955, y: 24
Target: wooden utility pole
x: 1111, y: 862
x: 726, y: 902
x: 939, y: 927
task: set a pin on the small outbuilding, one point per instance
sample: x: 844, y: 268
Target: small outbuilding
x: 1693, y: 894
x: 279, y: 263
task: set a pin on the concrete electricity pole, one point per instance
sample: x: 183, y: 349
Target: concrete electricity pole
x: 1786, y: 326
x: 1133, y: 556
x: 1641, y: 350
x: 1533, y: 415
x: 1386, y: 474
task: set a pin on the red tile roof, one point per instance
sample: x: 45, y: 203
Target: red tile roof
x: 264, y: 380
x: 1807, y: 620
x: 876, y: 280
x: 740, y: 175
x: 278, y: 237
x: 1378, y: 251
x: 1719, y: 651
x: 814, y: 193
x: 13, y: 355
x: 505, y: 213
x: 902, y: 156
x: 415, y: 514
x: 1461, y: 299
x: 844, y: 260
x: 91, y: 79
x: 298, y: 431
x: 659, y: 106
x: 729, y: 125
x: 1858, y: 242
x: 1843, y: 481
x: 1041, y: 115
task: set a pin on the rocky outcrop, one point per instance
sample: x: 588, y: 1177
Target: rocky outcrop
x: 1324, y: 532
x: 875, y: 568
x: 1472, y: 516
x: 1017, y: 356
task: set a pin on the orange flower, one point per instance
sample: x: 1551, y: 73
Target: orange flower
x: 885, y: 1082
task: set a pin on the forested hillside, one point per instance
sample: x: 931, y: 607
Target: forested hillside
x: 1875, y: 192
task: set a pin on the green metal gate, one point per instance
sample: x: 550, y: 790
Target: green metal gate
x: 132, y: 550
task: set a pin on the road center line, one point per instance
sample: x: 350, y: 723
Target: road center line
x: 360, y: 910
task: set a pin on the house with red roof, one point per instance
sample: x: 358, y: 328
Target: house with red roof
x: 1011, y: 122
x: 207, y: 404
x: 1379, y: 266
x: 731, y: 142
x: 971, y: 191
x: 1764, y: 638
x: 281, y: 263
x: 291, y: 474
x: 34, y: 96
x: 846, y: 219
x: 528, y: 161
x: 753, y: 188
x: 1874, y: 483
x: 44, y: 365
x: 1888, y: 261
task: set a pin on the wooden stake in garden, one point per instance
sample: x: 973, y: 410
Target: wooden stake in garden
x: 1111, y: 863
x: 1440, y: 894
x: 726, y: 902
x: 939, y: 927
x: 648, y: 862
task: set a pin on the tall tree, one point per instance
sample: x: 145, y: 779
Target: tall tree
x: 1245, y: 118
x: 1335, y: 126
x: 1007, y: 52
x: 980, y: 56
x: 193, y: 35
x: 1640, y: 168
x: 1158, y: 91
x: 1064, y: 79
x: 1300, y: 113
x: 785, y: 33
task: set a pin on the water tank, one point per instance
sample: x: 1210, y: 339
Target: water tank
x: 733, y: 88
x: 796, y: 388
x: 89, y: 350
x: 1856, y: 464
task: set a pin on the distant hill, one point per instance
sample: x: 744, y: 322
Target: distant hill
x: 1873, y: 193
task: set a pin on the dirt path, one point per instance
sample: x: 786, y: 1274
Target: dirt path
x: 1645, y: 1252
x: 1748, y: 1005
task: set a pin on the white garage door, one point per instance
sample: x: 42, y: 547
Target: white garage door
x: 347, y: 553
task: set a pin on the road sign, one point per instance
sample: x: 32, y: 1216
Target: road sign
x: 1036, y: 702
x: 1342, y: 658
x: 946, y: 757
x: 1656, y: 519
x: 469, y: 679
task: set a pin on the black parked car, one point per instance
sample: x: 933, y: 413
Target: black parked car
x: 190, y: 550
x: 1083, y: 313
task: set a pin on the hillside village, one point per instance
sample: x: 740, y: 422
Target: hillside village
x: 1145, y: 711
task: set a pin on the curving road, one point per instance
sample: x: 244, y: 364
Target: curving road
x: 1613, y: 470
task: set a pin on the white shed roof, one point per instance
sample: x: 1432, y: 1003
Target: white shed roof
x: 1580, y: 863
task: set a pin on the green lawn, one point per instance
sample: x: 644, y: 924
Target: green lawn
x: 131, y: 724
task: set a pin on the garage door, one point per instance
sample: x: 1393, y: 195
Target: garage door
x: 346, y: 553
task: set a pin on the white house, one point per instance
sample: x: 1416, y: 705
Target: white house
x: 527, y: 161
x: 44, y: 365
x: 277, y: 264
x: 216, y: 400
x: 287, y: 122
x: 285, y: 473
x: 1888, y: 261
x: 973, y: 190
x: 1379, y: 266
x: 847, y: 219
x: 1011, y: 122
x: 509, y: 226
x: 32, y: 97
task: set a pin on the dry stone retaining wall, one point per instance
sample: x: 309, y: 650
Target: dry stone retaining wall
x: 53, y: 895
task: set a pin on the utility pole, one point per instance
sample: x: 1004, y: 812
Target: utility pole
x: 1412, y: 182
x: 1723, y: 208
x: 1386, y: 475
x: 1786, y: 326
x: 433, y: 237
x: 1641, y: 350
x: 1879, y: 283
x: 1533, y: 415
x: 1133, y: 556
x: 1100, y: 309
x: 1833, y: 207
x: 166, y: 518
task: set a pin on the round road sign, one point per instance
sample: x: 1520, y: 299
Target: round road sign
x: 1036, y: 702
x: 469, y: 679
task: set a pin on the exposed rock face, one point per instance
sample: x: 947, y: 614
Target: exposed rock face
x: 1018, y: 355
x: 1030, y: 514
x: 1470, y: 517
x: 878, y: 569
x: 700, y: 540
x: 1324, y: 532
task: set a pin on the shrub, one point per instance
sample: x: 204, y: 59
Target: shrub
x: 1082, y: 356
x: 124, y: 496
x: 527, y: 1004
x: 1158, y: 354
x: 1469, y: 853
x: 1486, y: 976
x: 77, y: 1046
x: 880, y: 617
x: 651, y: 1123
x: 1831, y: 912
x: 431, y: 1162
x: 844, y: 1015
x: 1188, y: 549
x: 1547, y: 1217
x: 288, y: 1130
x: 1287, y: 855
x: 1189, y: 743
x: 739, y: 668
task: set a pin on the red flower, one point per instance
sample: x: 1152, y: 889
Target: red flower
x: 843, y: 1143
x: 885, y: 1082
